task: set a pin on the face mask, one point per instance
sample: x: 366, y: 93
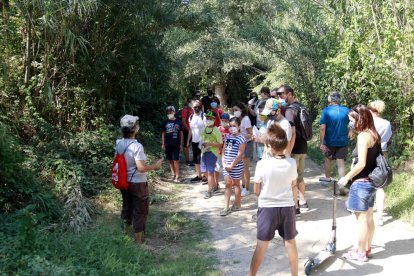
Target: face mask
x: 262, y: 118
x: 233, y: 130
x: 197, y: 109
x: 351, y: 125
x: 283, y: 102
x: 225, y: 125
x: 171, y: 116
x: 237, y: 113
x: 213, y: 105
x: 209, y: 122
x: 210, y: 93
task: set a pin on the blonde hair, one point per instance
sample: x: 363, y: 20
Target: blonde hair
x: 377, y: 106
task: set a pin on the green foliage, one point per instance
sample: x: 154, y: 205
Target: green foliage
x: 400, y: 197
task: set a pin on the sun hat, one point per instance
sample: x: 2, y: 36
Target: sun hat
x: 271, y: 105
x: 129, y: 121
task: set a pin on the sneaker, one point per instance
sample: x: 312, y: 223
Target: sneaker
x: 245, y: 192
x: 207, y: 195
x: 204, y: 180
x: 190, y: 164
x: 225, y: 212
x: 304, y: 206
x: 215, y: 189
x: 177, y: 180
x: 235, y: 208
x: 195, y: 179
x: 367, y: 253
x: 297, y: 212
x: 355, y: 256
x: 379, y: 222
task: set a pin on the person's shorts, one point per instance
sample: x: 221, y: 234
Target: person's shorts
x: 185, y: 137
x: 219, y: 164
x: 237, y: 171
x: 172, y: 153
x: 300, y: 164
x: 196, y: 153
x: 208, y: 162
x: 248, y: 151
x: 334, y: 153
x: 361, y: 196
x: 282, y: 219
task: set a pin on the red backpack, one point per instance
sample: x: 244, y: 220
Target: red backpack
x: 119, y: 171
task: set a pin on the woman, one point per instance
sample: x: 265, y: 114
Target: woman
x: 197, y: 124
x: 240, y: 111
x: 134, y: 200
x: 362, y: 192
x: 383, y: 128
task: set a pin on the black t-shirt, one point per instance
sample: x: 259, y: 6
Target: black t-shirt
x: 292, y: 115
x: 206, y: 101
x: 172, y: 129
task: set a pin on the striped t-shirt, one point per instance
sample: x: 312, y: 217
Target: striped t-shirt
x: 231, y: 147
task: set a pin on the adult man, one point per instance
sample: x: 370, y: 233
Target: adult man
x: 333, y: 133
x: 298, y: 146
x: 206, y: 100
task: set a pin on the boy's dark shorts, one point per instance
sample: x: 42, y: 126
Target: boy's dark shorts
x: 185, y: 138
x: 172, y: 153
x: 334, y: 153
x: 282, y: 219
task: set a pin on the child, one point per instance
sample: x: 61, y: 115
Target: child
x: 273, y: 181
x: 224, y: 131
x: 232, y: 159
x: 211, y: 143
x: 172, y: 142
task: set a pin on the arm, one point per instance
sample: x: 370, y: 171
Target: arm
x: 257, y: 188
x: 182, y: 139
x: 163, y: 140
x: 142, y: 167
x: 292, y: 141
x: 362, y: 147
x: 249, y: 134
x: 239, y: 155
x: 322, y: 130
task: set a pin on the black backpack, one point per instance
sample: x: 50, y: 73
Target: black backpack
x: 305, y: 121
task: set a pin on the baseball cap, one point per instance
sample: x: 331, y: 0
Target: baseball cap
x: 210, y: 113
x: 129, y: 121
x: 225, y: 116
x: 271, y: 104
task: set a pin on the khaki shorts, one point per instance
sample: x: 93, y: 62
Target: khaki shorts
x: 300, y: 163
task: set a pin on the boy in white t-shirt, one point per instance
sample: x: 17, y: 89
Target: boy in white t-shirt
x: 273, y: 181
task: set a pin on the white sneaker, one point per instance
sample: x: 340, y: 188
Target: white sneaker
x: 245, y: 192
x: 380, y: 222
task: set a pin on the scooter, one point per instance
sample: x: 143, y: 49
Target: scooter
x: 313, y: 262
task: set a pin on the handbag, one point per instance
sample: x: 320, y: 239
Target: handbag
x: 381, y: 176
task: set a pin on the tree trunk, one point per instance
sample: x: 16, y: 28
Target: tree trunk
x: 27, y: 53
x: 219, y: 90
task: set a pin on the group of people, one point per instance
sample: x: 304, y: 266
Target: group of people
x: 225, y: 143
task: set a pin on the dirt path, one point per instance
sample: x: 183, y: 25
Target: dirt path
x: 234, y: 236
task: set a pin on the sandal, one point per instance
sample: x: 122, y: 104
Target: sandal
x: 225, y: 212
x: 355, y: 256
x: 235, y: 208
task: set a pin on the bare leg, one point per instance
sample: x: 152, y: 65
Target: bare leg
x: 328, y: 167
x: 292, y: 251
x: 211, y: 184
x: 379, y: 198
x: 246, y: 172
x: 237, y: 192
x: 295, y: 194
x: 340, y: 163
x: 363, y: 231
x: 171, y: 162
x: 371, y: 227
x: 216, y: 179
x: 301, y: 187
x: 197, y: 166
x: 227, y: 191
x: 186, y: 154
x: 257, y: 259
x: 177, y: 168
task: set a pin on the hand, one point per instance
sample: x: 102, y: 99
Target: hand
x: 228, y: 167
x: 163, y: 147
x: 343, y: 181
x: 158, y: 163
x: 323, y: 148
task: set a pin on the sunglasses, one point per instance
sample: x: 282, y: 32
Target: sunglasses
x: 273, y: 97
x: 280, y: 93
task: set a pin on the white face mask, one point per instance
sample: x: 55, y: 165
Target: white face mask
x: 234, y: 130
x: 171, y: 116
x: 209, y: 122
x: 237, y: 113
x: 225, y: 125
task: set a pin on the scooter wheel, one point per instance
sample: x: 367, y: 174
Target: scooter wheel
x: 308, y: 267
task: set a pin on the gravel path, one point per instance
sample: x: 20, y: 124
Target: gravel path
x: 234, y: 236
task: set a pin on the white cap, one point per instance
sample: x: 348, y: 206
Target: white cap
x: 129, y: 121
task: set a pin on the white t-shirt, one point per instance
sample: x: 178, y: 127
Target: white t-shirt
x: 197, y: 125
x: 383, y: 128
x: 134, y: 153
x: 244, y: 125
x: 283, y: 123
x: 276, y: 176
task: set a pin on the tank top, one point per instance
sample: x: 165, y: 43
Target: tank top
x: 371, y: 160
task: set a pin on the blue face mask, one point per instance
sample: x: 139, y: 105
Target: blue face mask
x: 213, y: 105
x: 283, y: 102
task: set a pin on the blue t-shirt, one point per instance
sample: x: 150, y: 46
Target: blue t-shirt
x: 335, y: 118
x: 172, y: 129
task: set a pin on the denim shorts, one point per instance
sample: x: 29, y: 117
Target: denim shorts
x: 361, y: 197
x: 208, y: 162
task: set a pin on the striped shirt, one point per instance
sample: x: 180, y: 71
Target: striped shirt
x: 231, y: 148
